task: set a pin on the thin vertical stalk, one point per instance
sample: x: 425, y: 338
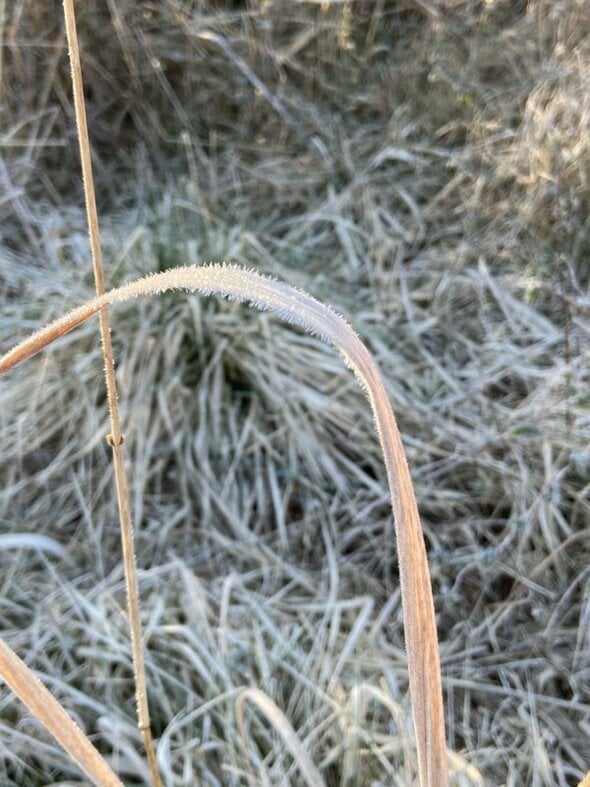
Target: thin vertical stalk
x: 115, y: 438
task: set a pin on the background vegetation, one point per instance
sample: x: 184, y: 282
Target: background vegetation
x: 425, y: 168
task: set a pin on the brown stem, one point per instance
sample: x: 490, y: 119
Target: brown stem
x: 117, y: 439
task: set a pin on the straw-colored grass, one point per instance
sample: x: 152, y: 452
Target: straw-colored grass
x: 303, y: 311
x: 440, y: 198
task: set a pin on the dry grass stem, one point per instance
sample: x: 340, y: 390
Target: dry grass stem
x: 115, y: 437
x: 51, y: 714
x: 300, y: 309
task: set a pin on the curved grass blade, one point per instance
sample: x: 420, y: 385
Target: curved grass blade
x: 298, y: 308
x: 280, y: 723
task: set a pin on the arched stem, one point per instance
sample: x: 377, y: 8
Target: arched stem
x: 298, y: 308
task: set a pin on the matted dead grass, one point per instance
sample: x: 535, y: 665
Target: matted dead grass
x: 423, y: 167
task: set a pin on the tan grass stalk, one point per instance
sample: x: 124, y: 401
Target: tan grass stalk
x: 50, y: 713
x: 115, y: 438
x: 306, y: 312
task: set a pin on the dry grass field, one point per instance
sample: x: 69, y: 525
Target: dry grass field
x: 424, y: 167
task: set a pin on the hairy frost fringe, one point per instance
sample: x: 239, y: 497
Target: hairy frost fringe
x: 233, y: 282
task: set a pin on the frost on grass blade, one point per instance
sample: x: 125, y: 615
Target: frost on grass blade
x: 239, y: 284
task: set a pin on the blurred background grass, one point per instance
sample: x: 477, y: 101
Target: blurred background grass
x: 425, y: 168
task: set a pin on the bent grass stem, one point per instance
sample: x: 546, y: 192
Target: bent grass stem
x: 298, y: 308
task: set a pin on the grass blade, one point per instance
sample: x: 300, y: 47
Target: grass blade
x: 298, y: 308
x: 50, y: 713
x: 276, y: 717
